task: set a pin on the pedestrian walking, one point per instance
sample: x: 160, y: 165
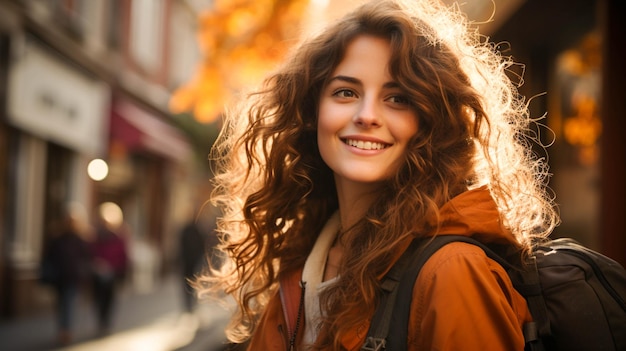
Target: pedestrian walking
x: 65, y: 266
x: 198, y: 252
x: 192, y: 251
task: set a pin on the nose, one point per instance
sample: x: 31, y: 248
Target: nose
x: 368, y: 114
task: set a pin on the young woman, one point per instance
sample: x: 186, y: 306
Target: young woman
x: 397, y: 122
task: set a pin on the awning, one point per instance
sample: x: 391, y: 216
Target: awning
x: 138, y: 129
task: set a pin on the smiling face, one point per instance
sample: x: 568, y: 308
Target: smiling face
x: 365, y: 121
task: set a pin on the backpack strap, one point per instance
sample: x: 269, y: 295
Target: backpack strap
x: 530, y: 288
x: 398, y: 285
x: 397, y: 339
x: 382, y: 337
x: 381, y: 322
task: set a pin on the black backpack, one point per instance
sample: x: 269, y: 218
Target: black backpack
x: 577, y: 296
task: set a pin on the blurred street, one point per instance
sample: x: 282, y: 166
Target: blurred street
x: 151, y: 320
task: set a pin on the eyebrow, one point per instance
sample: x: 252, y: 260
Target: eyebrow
x: 352, y: 80
x: 346, y: 79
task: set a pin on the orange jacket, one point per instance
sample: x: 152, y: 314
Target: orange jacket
x: 462, y: 300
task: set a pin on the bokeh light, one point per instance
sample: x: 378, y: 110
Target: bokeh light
x: 97, y: 169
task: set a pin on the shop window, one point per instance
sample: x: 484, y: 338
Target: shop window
x: 579, y: 81
x: 574, y: 116
x: 146, y: 33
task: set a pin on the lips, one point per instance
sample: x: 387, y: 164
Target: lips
x: 365, y: 144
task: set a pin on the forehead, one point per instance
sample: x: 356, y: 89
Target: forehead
x: 365, y: 51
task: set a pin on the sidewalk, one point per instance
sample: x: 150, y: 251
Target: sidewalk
x: 142, y: 321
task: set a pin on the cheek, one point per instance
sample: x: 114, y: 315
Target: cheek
x: 324, y: 133
x: 323, y: 113
x: 406, y: 128
x: 326, y: 124
x: 327, y: 129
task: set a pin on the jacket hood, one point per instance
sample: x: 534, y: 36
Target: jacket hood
x: 474, y: 213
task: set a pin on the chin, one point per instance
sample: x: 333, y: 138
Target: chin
x: 359, y: 177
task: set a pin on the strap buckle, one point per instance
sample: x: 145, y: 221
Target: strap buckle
x: 373, y: 344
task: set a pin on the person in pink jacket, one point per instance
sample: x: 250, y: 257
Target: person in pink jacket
x: 397, y: 122
x: 110, y: 262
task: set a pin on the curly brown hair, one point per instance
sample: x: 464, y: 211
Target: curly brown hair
x: 277, y: 193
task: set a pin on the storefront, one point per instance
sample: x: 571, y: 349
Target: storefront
x: 59, y: 118
x: 71, y: 93
x: 56, y: 117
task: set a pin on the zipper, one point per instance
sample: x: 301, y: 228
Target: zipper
x: 292, y: 341
x: 286, y: 316
x: 290, y: 336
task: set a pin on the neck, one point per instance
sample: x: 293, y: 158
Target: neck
x: 354, y: 200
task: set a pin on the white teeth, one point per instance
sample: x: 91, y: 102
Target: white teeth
x: 365, y: 145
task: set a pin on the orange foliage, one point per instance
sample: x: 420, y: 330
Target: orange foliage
x: 240, y: 41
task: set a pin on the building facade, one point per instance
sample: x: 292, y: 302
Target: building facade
x: 83, y: 80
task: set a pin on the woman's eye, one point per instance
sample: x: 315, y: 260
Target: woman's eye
x: 344, y: 93
x: 399, y: 99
